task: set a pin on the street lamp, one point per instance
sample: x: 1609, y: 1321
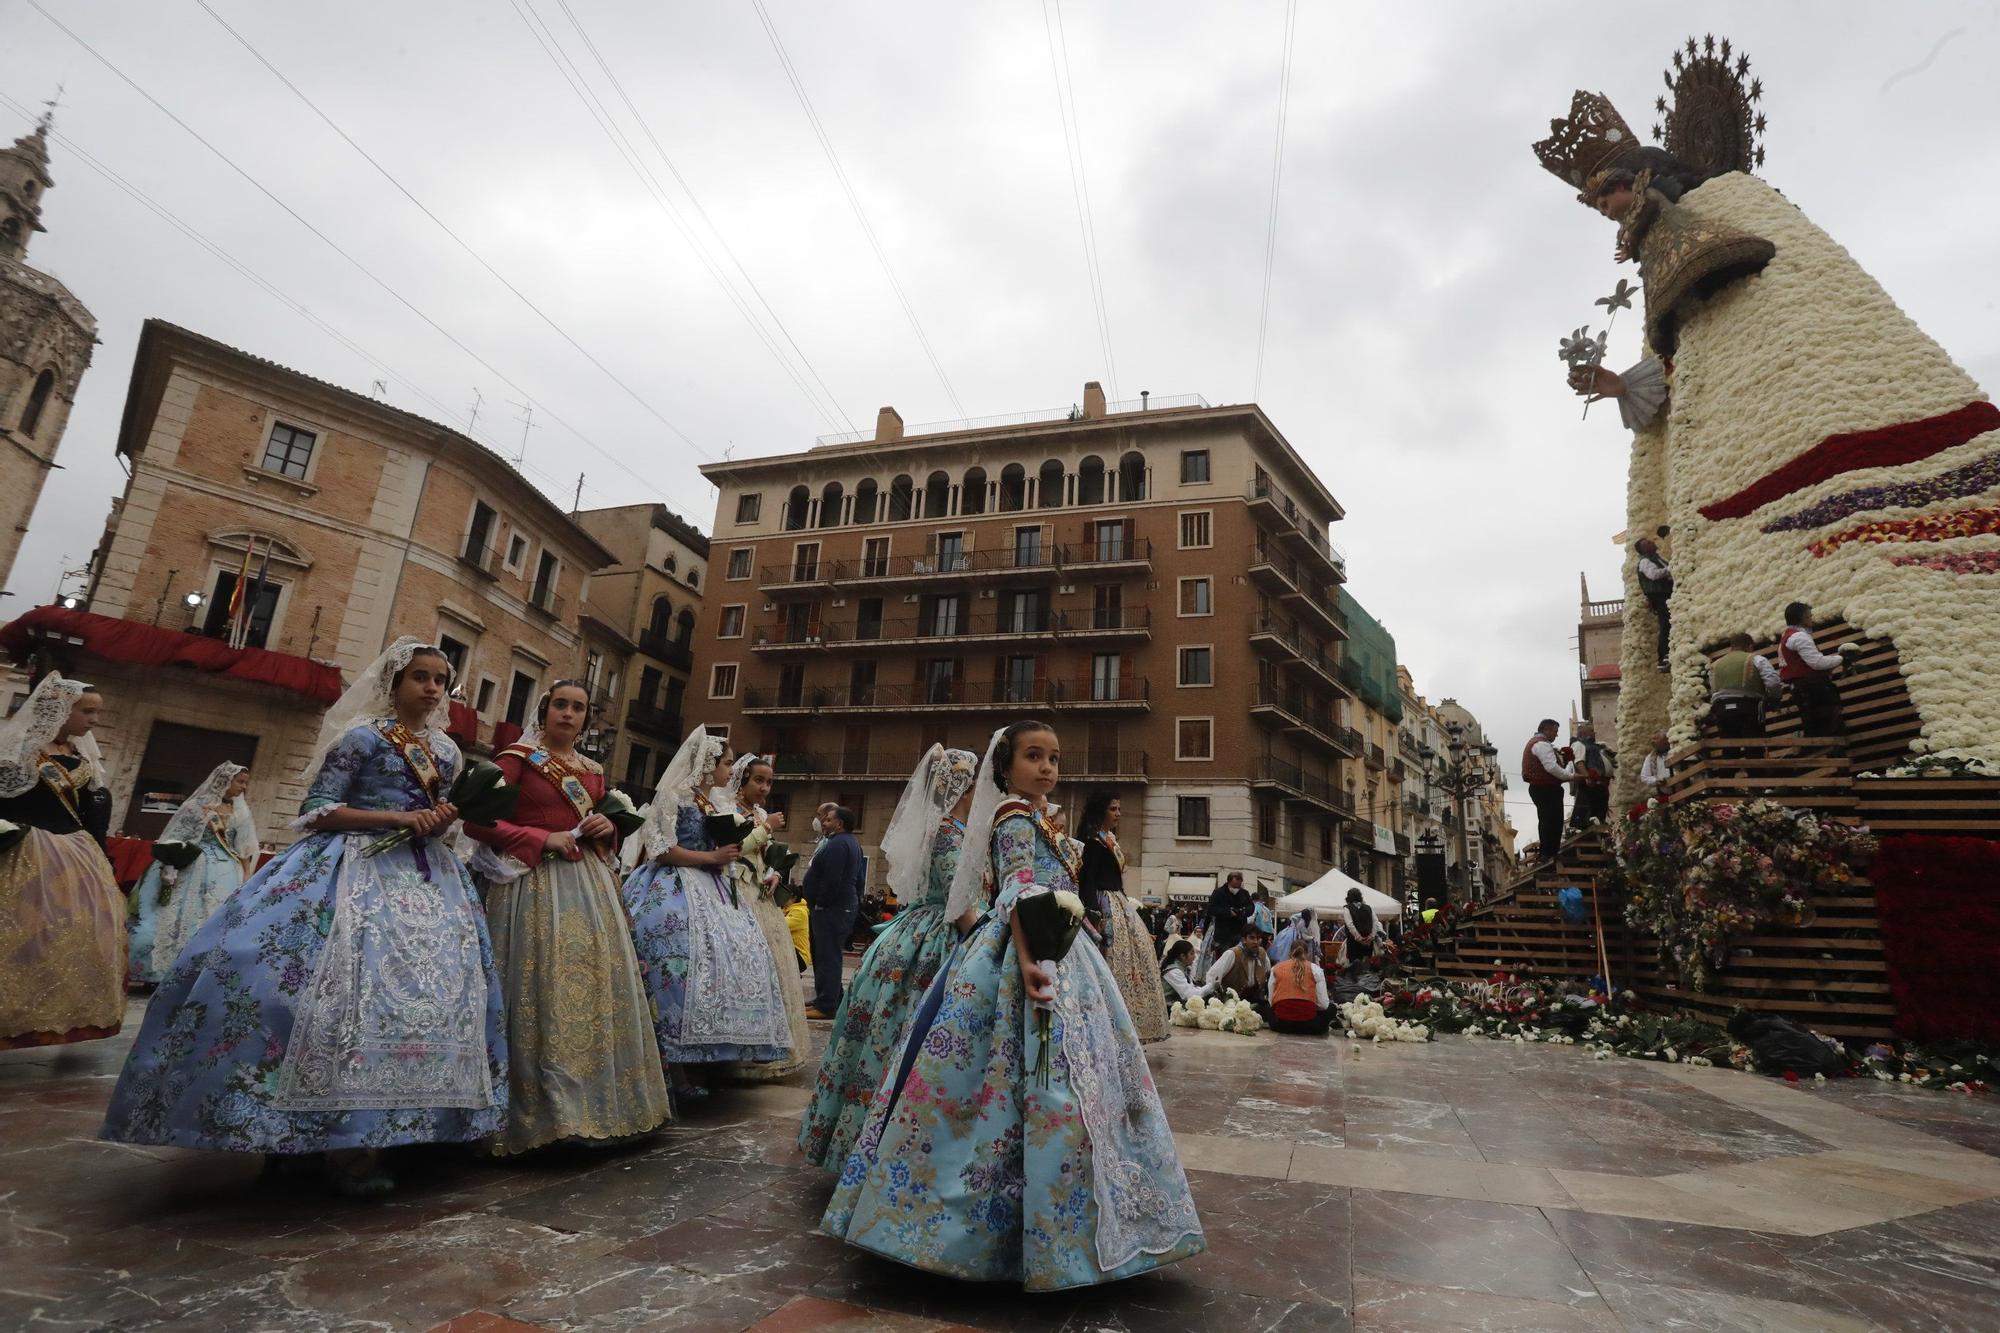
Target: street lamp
x: 1469, y: 770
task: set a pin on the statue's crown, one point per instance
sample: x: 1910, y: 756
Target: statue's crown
x: 1592, y: 138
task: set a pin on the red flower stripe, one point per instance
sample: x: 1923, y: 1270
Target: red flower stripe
x: 1940, y: 934
x: 1885, y: 446
x: 1954, y: 562
x: 1925, y: 528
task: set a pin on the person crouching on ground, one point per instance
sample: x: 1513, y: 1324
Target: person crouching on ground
x: 1298, y: 1001
x: 1244, y: 967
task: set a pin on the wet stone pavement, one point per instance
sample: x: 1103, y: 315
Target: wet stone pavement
x: 1462, y: 1184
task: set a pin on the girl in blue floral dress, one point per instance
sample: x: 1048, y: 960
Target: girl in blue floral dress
x: 714, y: 985
x: 170, y: 905
x: 967, y: 1167
x: 338, y: 1003
x: 921, y: 846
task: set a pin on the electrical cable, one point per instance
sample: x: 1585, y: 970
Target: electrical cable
x: 363, y: 269
x: 1079, y: 183
x: 1277, y: 181
x: 854, y: 202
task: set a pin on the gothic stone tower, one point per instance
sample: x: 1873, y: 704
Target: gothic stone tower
x: 46, y: 337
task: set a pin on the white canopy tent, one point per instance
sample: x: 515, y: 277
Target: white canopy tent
x: 1326, y: 895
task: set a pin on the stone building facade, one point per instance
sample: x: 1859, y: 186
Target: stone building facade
x: 46, y: 338
x: 1600, y: 639
x: 349, y: 522
x: 1154, y: 579
x: 651, y: 596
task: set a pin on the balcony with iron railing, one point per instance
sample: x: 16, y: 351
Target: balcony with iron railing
x: 995, y: 625
x: 1293, y: 782
x: 482, y: 559
x: 1377, y: 757
x: 1126, y: 766
x: 952, y: 694
x: 814, y: 574
x: 653, y: 720
x: 1294, y: 710
x: 1271, y: 505
x: 1107, y: 555
x: 667, y: 649
x: 1036, y: 561
x: 545, y: 601
x: 1279, y: 638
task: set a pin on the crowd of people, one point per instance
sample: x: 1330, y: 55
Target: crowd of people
x: 407, y: 974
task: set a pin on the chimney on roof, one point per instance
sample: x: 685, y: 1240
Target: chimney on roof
x: 1093, y: 401
x: 888, y: 426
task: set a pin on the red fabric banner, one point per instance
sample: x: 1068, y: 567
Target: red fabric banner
x: 1905, y: 442
x: 148, y: 645
x: 464, y: 726
x: 1940, y: 933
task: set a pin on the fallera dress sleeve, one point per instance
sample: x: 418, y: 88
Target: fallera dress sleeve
x: 524, y: 842
x: 336, y: 775
x: 1013, y: 860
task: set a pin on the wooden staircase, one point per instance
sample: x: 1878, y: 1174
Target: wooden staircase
x: 1831, y: 973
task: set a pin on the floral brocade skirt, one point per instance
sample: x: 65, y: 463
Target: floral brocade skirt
x: 160, y: 930
x: 707, y: 968
x: 867, y: 1033
x: 333, y: 1001
x: 778, y: 939
x: 1136, y: 970
x: 62, y: 941
x: 581, y: 1063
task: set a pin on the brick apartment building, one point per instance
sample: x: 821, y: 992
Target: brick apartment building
x: 366, y: 522
x: 1155, y: 580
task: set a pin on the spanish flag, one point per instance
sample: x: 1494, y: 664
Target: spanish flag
x: 242, y: 576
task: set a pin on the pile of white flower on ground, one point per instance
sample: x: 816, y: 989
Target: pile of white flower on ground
x: 1366, y: 1019
x: 1222, y: 1013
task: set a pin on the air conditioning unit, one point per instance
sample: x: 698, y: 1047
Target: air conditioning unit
x: 987, y: 594
x: 1066, y: 589
x: 840, y: 601
x: 909, y: 598
x: 770, y: 606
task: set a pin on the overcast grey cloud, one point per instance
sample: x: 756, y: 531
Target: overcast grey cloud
x: 1425, y: 264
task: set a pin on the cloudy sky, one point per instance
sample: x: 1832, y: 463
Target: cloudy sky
x: 1424, y: 267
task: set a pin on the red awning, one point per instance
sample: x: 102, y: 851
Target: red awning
x: 149, y: 645
x: 1605, y: 671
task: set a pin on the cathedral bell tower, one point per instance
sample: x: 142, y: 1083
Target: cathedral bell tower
x: 46, y: 337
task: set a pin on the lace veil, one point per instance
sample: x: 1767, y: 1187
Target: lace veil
x: 940, y: 778
x: 370, y: 698
x: 726, y: 796
x: 685, y: 774
x: 25, y: 735
x: 191, y: 820
x: 975, y: 859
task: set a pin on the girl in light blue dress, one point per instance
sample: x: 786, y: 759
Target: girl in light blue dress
x: 338, y: 1003
x: 713, y: 982
x: 969, y: 1168
x: 171, y: 905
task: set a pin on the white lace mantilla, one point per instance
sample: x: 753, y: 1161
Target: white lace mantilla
x: 1143, y: 1203
x: 395, y: 1014
x: 732, y: 986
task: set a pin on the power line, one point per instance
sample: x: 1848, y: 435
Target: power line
x: 328, y: 241
x: 854, y: 202
x: 423, y: 208
x: 619, y: 87
x: 139, y: 196
x: 1079, y: 184
x: 1277, y: 181
x: 573, y: 75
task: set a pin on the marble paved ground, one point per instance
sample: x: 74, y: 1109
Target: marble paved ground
x: 1462, y: 1184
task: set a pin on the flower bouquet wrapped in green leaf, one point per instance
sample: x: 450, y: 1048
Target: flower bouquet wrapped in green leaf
x: 727, y: 830
x: 624, y: 816
x: 179, y: 855
x: 1050, y: 922
x: 482, y: 794
x: 780, y: 858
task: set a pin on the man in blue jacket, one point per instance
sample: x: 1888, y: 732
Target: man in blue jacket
x: 833, y: 895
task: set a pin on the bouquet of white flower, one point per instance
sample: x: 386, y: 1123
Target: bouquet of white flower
x: 1050, y: 920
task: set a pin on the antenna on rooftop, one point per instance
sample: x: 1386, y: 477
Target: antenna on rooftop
x: 477, y: 402
x: 527, y: 411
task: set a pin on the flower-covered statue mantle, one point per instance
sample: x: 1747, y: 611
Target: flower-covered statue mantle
x: 1812, y: 445
x: 1695, y: 874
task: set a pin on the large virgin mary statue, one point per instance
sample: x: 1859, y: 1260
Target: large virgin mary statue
x: 1802, y: 437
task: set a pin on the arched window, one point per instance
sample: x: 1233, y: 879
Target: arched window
x: 1013, y: 488
x: 829, y: 504
x: 1090, y: 481
x: 902, y: 496
x: 1132, y: 477
x: 937, y: 495
x: 865, y: 496
x: 663, y: 612
x: 694, y: 578
x: 972, y: 491
x: 1049, y: 486
x: 685, y: 624
x: 38, y: 398
x: 795, y: 508
x: 671, y: 563
x: 10, y: 234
